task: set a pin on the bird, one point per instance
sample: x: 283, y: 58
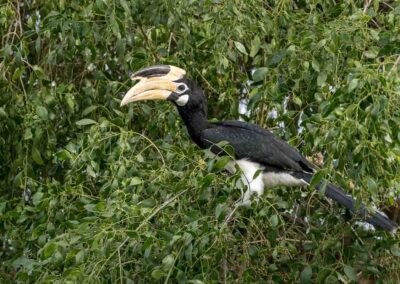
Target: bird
x: 265, y: 160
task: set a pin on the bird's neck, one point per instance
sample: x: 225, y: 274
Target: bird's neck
x: 196, y: 122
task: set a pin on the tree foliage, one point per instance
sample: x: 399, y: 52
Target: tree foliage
x: 93, y: 192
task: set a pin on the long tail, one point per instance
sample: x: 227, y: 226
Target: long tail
x: 334, y: 192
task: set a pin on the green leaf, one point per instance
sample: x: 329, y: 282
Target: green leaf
x: 322, y: 275
x: 79, y: 257
x: 168, y: 261
x: 322, y: 188
x: 259, y: 74
x: 85, y: 121
x: 372, y: 186
x: 255, y: 46
x: 207, y: 180
x: 136, y: 181
x: 321, y: 78
x: 221, y: 163
x: 253, y: 251
x: 195, y: 281
x: 315, y: 65
x: 353, y: 84
x: 221, y: 208
x: 36, y: 156
x: 63, y: 155
x: 257, y: 173
x: 158, y: 274
x: 3, y: 113
x: 240, y: 47
x: 28, y: 134
x: 305, y: 276
x: 37, y: 197
x: 376, y: 5
x: 49, y: 249
x: 225, y: 62
x: 395, y: 251
x: 350, y: 273
x: 120, y: 47
x: 321, y: 43
x: 274, y: 220
x: 18, y: 181
x: 39, y: 72
x: 388, y: 138
x: 17, y: 73
x: 88, y: 110
x: 125, y: 5
x: 317, y: 178
x: 297, y: 100
x: 42, y: 112
x: 147, y: 203
x: 90, y: 207
x: 38, y: 45
x: 254, y: 100
x: 372, y: 53
x: 277, y: 57
x: 23, y: 262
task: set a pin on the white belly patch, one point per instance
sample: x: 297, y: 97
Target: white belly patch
x: 275, y: 179
x: 262, y: 180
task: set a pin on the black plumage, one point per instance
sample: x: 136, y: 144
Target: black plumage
x: 256, y: 144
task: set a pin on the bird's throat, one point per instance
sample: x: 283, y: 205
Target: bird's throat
x: 195, y: 122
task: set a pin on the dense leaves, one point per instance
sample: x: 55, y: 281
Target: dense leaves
x: 93, y: 192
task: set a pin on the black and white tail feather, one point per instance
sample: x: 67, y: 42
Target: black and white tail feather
x: 256, y: 183
x: 378, y: 219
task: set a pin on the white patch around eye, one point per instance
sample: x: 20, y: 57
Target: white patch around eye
x: 182, y: 100
x: 181, y: 88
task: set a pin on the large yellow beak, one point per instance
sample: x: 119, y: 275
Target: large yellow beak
x: 149, y: 90
x: 156, y: 83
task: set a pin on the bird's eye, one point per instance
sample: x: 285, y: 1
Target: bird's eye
x: 181, y: 88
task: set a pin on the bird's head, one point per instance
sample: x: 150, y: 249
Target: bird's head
x: 164, y: 82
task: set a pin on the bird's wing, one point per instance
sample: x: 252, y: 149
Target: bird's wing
x: 256, y: 144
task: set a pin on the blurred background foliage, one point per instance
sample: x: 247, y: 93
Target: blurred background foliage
x: 94, y: 193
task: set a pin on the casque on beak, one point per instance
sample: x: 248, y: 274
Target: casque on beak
x: 157, y: 82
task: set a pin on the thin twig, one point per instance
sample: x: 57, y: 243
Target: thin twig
x: 366, y: 5
x: 294, y: 240
x: 120, y: 266
x: 172, y: 266
x: 155, y: 57
x: 205, y: 80
x: 19, y: 18
x: 165, y: 204
x: 229, y: 217
x: 224, y: 269
x: 171, y: 36
x: 395, y: 65
x: 295, y: 220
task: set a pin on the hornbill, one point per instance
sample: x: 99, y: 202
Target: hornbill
x: 264, y: 159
